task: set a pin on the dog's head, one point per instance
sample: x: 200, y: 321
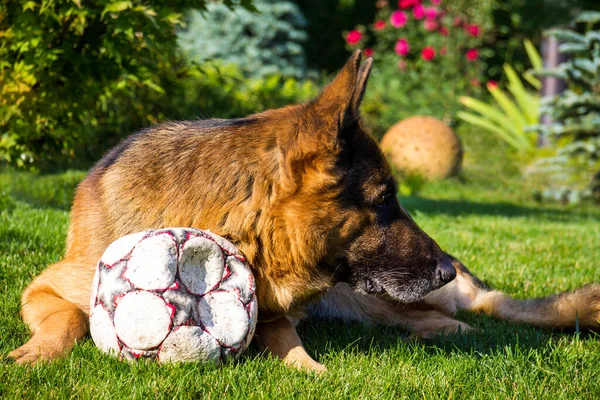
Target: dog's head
x: 344, y: 198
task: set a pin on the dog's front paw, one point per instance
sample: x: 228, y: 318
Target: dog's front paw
x: 298, y: 359
x: 36, y: 350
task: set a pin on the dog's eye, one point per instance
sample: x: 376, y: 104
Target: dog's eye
x: 380, y: 201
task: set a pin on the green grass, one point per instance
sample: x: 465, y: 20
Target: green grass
x: 485, y: 218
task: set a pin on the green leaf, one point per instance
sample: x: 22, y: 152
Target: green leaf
x: 30, y: 5
x: 532, y: 80
x: 509, y: 107
x: 153, y: 86
x: 490, y: 112
x: 487, y: 125
x: 566, y: 35
x: 573, y: 48
x: 534, y: 56
x: 527, y: 103
x: 590, y: 17
x: 117, y: 7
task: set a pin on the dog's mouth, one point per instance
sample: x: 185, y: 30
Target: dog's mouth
x: 394, y: 291
x: 371, y: 286
x: 407, y: 290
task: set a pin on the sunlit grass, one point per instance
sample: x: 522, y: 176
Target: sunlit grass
x: 485, y: 218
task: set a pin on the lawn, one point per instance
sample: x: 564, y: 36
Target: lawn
x: 486, y: 218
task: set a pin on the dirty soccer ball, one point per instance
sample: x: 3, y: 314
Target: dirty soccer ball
x: 175, y: 294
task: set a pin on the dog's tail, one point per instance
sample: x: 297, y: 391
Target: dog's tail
x: 570, y: 310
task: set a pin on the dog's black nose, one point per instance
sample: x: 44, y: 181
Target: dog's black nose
x: 445, y: 271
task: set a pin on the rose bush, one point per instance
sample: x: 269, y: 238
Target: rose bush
x: 427, y: 53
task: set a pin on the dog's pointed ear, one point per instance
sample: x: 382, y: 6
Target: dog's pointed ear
x: 337, y: 105
x: 361, y: 85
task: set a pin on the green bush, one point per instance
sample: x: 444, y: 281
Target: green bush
x: 426, y: 54
x: 217, y: 90
x: 325, y: 48
x: 261, y: 43
x: 517, y: 20
x: 74, y: 74
x: 513, y: 112
x: 575, y: 113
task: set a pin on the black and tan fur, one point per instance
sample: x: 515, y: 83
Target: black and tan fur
x: 307, y: 196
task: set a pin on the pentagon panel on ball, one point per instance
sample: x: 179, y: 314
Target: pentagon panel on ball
x: 423, y: 146
x: 175, y: 294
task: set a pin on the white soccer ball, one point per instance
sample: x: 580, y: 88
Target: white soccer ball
x: 175, y: 294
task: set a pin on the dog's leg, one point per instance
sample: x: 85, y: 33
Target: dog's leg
x: 564, y: 310
x: 55, y: 307
x: 423, y: 320
x: 280, y: 338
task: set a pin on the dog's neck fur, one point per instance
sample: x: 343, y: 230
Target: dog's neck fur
x: 263, y: 225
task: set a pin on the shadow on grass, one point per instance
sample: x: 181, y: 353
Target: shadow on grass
x: 466, y: 207
x: 491, y: 337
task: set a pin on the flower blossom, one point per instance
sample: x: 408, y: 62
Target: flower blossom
x: 353, y: 37
x: 418, y: 12
x: 472, y: 54
x: 379, y: 25
x: 428, y: 53
x: 401, y: 48
x: 431, y: 12
x: 473, y: 30
x: 404, y: 4
x: 398, y: 19
x: 430, y: 25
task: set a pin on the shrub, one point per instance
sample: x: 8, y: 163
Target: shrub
x: 509, y: 118
x: 426, y: 53
x: 217, y: 90
x: 261, y: 43
x: 71, y: 71
x: 325, y: 48
x: 575, y: 113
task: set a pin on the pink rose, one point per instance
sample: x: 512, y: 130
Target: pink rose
x: 444, y: 31
x: 404, y: 4
x: 436, y: 2
x: 419, y: 12
x: 472, y: 54
x: 473, y: 30
x: 402, y: 65
x: 379, y: 25
x: 443, y: 51
x: 401, y: 48
x: 353, y: 37
x: 398, y: 19
x: 368, y: 52
x: 430, y: 25
x: 428, y: 53
x: 431, y: 12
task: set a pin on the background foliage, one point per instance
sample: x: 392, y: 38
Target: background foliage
x: 573, y: 173
x: 325, y: 48
x: 264, y: 42
x: 425, y: 53
x: 76, y: 77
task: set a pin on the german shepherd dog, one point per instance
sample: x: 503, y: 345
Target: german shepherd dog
x: 306, y: 194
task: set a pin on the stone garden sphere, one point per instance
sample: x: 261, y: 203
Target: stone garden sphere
x: 423, y: 146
